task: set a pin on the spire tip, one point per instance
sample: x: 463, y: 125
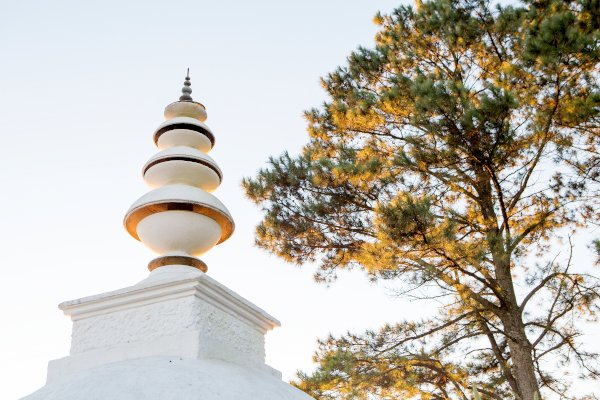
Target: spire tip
x: 186, y: 91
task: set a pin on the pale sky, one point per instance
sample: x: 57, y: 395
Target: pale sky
x: 82, y: 88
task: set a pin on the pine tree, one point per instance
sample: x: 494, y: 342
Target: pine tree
x: 452, y: 157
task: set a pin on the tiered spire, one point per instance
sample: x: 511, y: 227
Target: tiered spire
x: 186, y: 90
x: 179, y: 219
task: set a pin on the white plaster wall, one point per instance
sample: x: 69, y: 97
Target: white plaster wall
x: 220, y: 334
x: 142, y: 323
x: 226, y: 337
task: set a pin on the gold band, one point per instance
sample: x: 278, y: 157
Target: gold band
x: 135, y: 216
x: 177, y: 260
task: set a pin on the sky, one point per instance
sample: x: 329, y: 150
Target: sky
x: 83, y: 86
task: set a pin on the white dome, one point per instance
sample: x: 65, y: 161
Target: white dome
x: 169, y: 378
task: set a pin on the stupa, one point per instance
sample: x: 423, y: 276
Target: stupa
x: 178, y: 334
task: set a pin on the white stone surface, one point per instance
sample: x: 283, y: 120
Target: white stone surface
x: 179, y: 232
x: 183, y: 193
x: 169, y: 378
x: 164, y: 169
x: 184, y: 137
x: 190, y: 336
x: 184, y: 120
x: 176, y: 311
x: 190, y: 109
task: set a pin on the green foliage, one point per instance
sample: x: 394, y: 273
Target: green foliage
x: 447, y: 157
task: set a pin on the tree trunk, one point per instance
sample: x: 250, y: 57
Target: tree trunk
x: 521, y: 355
x: 520, y: 347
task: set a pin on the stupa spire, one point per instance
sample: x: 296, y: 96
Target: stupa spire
x: 180, y: 219
x: 178, y: 333
x: 186, y: 90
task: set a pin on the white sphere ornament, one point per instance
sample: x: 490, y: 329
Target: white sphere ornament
x: 179, y: 233
x: 179, y: 220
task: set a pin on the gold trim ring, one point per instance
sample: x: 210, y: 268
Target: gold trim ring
x: 177, y: 260
x: 133, y: 218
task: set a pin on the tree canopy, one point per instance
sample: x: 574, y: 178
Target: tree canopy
x: 456, y: 156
